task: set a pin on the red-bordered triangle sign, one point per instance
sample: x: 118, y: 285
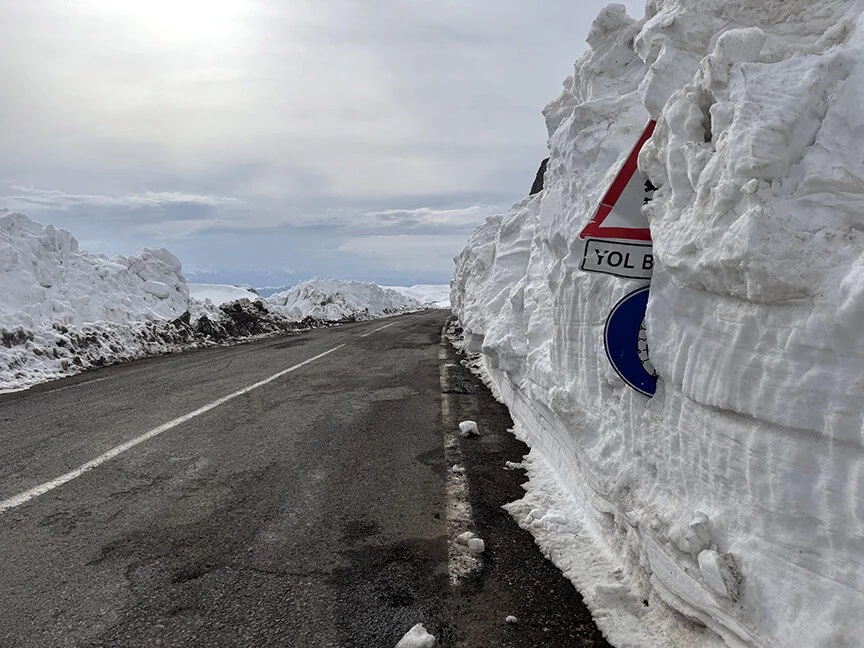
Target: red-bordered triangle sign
x: 620, y: 213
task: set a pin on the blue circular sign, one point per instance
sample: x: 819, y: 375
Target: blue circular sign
x: 627, y: 345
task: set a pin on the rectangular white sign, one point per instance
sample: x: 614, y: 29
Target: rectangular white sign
x: 619, y: 258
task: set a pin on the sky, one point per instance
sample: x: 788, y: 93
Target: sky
x: 264, y: 142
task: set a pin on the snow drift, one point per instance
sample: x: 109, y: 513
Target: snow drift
x: 735, y: 493
x: 333, y: 300
x: 219, y: 294
x: 47, y: 278
x: 64, y: 310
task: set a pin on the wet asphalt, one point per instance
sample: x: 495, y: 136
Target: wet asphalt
x: 309, y: 512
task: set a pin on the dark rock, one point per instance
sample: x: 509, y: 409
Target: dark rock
x: 537, y: 187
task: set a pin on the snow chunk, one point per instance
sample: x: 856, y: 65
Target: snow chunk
x: 694, y: 536
x: 476, y: 546
x: 467, y: 428
x: 721, y: 573
x: 511, y: 619
x: 553, y: 517
x: 464, y: 537
x: 417, y: 637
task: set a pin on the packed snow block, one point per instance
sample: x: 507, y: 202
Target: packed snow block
x: 468, y: 428
x: 464, y: 537
x: 693, y: 536
x: 721, y: 573
x: 733, y: 495
x: 476, y: 546
x: 417, y: 637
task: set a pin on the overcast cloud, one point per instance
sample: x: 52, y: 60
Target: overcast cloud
x: 265, y: 141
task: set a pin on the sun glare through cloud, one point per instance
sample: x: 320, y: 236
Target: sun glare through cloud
x: 215, y: 22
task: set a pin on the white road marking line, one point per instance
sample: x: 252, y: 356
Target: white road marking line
x: 78, y: 384
x: 460, y: 515
x: 380, y: 328
x: 26, y: 496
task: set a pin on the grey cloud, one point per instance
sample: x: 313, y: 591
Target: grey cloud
x: 466, y: 218
x: 253, y: 130
x: 407, y: 252
x: 56, y: 199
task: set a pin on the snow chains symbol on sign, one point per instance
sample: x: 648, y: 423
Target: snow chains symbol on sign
x: 626, y: 342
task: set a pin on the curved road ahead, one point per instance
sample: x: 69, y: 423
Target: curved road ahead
x: 313, y: 509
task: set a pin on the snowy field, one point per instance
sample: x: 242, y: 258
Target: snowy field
x: 728, y: 509
x: 64, y: 310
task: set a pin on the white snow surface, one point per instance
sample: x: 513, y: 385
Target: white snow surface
x: 335, y: 300
x: 736, y: 494
x: 417, y: 637
x: 46, y: 279
x: 434, y: 295
x: 64, y: 310
x: 467, y: 428
x: 219, y: 294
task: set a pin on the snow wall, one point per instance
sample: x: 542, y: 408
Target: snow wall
x: 736, y: 494
x: 64, y: 310
x: 47, y: 279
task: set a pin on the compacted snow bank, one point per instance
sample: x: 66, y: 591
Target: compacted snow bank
x: 333, y: 300
x: 219, y: 294
x: 64, y: 310
x: 430, y: 295
x: 734, y: 495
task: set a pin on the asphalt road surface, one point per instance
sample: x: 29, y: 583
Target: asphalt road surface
x: 315, y: 509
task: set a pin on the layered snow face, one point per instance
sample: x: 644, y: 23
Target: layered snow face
x: 736, y: 494
x: 334, y: 300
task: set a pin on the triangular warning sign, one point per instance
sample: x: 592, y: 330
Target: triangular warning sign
x: 619, y: 215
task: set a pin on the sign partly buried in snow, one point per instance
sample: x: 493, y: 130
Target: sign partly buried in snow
x: 618, y: 240
x: 622, y: 259
x: 627, y: 345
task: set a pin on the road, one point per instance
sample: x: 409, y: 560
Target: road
x: 314, y: 509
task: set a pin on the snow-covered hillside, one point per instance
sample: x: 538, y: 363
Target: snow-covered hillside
x: 334, y: 300
x: 433, y: 295
x: 64, y: 310
x: 734, y: 495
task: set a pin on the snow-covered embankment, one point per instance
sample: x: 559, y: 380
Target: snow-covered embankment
x: 735, y: 493
x: 64, y: 310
